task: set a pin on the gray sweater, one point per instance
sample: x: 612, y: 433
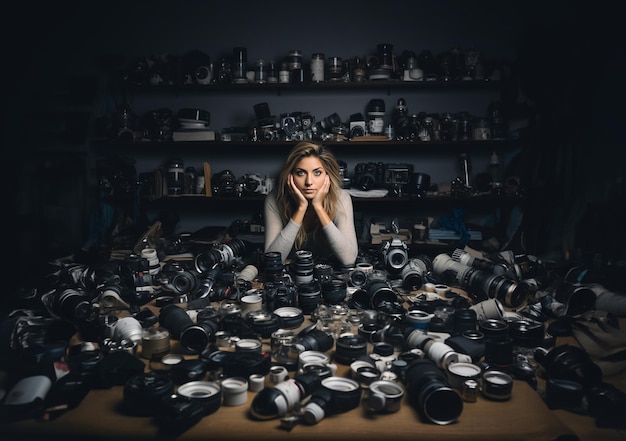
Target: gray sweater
x: 337, y: 242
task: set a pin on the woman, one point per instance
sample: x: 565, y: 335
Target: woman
x: 309, y: 209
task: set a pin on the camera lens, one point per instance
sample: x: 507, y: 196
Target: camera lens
x: 349, y: 348
x: 195, y: 338
x: 315, y: 340
x: 380, y: 292
x: 334, y: 291
x: 429, y: 390
x: 309, y: 296
x: 273, y: 264
x: 303, y: 266
x: 207, y: 393
x: 143, y: 392
x: 175, y: 320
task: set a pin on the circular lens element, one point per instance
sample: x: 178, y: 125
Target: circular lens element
x: 207, y: 393
x: 497, y: 385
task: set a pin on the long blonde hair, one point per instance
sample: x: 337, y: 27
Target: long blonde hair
x: 287, y: 204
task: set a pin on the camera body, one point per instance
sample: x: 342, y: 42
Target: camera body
x: 253, y: 183
x: 268, y: 131
x: 397, y: 177
x: 224, y: 183
x: 280, y: 294
x: 358, y: 126
x: 397, y: 173
x: 291, y: 126
x: 394, y: 254
x: 369, y: 175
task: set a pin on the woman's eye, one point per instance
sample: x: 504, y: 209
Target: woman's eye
x: 299, y: 173
x: 318, y: 172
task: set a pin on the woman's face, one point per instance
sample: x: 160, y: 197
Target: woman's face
x: 308, y: 176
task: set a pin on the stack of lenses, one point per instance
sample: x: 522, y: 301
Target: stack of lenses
x: 302, y: 267
x: 273, y: 265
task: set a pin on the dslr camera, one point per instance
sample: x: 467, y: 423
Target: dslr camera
x: 224, y: 183
x: 397, y: 177
x: 394, y: 255
x: 369, y: 175
x: 253, y: 183
x: 291, y: 126
x: 280, y: 294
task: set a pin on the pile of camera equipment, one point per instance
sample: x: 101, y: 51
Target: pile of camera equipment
x: 184, y: 337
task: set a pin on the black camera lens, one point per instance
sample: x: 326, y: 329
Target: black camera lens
x: 194, y: 339
x: 315, y: 340
x: 309, y: 296
x: 349, y: 348
x: 499, y: 352
x: 429, y: 390
x: 143, y: 393
x: 175, y: 319
x: 334, y: 291
x: 527, y: 333
x: 465, y: 319
x: 380, y: 292
x: 273, y: 264
x: 360, y: 299
x: 578, y: 298
x: 569, y: 362
x: 494, y: 329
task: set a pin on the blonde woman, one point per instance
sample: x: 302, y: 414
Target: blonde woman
x: 309, y: 210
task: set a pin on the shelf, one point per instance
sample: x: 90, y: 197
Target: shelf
x: 279, y: 88
x: 113, y: 147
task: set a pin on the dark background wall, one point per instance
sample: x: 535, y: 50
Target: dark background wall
x: 569, y: 61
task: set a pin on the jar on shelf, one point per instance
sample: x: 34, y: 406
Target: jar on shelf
x: 175, y: 176
x: 260, y: 71
x: 335, y: 68
x: 317, y: 67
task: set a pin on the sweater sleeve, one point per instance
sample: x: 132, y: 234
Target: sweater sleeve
x: 277, y: 238
x: 341, y: 233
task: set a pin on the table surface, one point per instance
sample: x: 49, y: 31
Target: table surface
x: 524, y: 417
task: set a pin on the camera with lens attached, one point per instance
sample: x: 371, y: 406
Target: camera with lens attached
x: 322, y: 129
x: 280, y: 294
x: 291, y: 126
x: 268, y: 132
x: 253, y: 183
x: 358, y: 126
x: 394, y: 254
x: 397, y: 177
x: 224, y: 183
x: 369, y: 175
x: 177, y: 279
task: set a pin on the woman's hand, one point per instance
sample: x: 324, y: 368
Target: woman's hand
x: 297, y: 194
x: 321, y: 192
